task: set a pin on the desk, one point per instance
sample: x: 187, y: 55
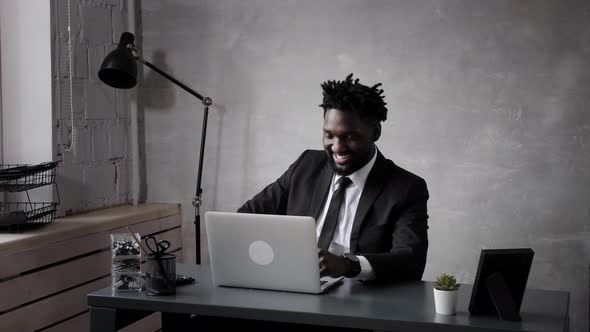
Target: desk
x: 398, y: 307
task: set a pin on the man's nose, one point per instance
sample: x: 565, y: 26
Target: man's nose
x: 338, y: 146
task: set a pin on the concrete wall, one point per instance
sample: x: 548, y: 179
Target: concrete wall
x: 95, y: 172
x: 488, y: 102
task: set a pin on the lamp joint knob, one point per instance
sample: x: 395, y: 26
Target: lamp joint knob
x: 197, y: 202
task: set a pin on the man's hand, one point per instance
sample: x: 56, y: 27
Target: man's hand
x: 332, y: 265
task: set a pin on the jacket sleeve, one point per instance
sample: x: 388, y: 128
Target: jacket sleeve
x: 407, y: 258
x: 273, y: 199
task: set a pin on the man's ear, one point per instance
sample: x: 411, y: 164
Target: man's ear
x: 377, y: 132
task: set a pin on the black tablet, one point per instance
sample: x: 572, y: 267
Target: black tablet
x: 500, y: 282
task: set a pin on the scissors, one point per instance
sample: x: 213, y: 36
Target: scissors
x: 158, y: 248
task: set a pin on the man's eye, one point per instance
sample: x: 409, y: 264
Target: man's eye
x: 329, y: 136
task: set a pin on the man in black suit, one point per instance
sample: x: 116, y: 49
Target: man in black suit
x: 371, y: 214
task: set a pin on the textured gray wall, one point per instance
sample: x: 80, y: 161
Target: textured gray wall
x: 95, y: 172
x: 489, y: 102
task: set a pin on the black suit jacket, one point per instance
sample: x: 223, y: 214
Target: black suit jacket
x: 390, y: 224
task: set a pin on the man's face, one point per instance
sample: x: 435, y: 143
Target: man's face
x: 348, y: 141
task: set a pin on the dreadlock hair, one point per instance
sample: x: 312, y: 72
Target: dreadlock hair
x: 351, y: 96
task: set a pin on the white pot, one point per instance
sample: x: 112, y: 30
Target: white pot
x: 445, y: 302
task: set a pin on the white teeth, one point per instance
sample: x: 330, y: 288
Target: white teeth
x: 341, y: 158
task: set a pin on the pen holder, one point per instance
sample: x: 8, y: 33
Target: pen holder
x: 160, y: 274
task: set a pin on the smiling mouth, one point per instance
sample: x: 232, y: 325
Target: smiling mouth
x: 341, y: 158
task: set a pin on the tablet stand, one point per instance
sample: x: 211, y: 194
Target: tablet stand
x: 500, y: 294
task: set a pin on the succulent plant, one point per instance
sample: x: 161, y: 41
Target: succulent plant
x: 446, y: 282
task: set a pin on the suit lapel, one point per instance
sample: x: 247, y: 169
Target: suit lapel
x: 371, y: 190
x: 321, y: 191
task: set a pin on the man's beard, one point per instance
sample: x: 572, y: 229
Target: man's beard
x: 351, y: 167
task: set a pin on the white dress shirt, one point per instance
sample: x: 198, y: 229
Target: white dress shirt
x: 341, y: 241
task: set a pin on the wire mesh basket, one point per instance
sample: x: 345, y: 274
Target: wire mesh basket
x: 15, y: 178
x: 15, y: 214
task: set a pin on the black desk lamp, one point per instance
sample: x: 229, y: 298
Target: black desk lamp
x: 119, y: 70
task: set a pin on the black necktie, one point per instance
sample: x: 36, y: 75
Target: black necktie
x: 332, y: 216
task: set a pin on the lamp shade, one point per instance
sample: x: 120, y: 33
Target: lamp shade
x: 119, y: 68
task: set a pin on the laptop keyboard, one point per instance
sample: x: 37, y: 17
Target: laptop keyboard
x: 322, y: 282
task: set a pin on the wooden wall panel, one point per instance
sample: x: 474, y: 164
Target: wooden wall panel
x: 33, y: 258
x: 79, y: 323
x: 53, y: 280
x: 45, y: 282
x: 50, y: 310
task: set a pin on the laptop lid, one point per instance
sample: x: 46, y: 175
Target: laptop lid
x: 264, y: 251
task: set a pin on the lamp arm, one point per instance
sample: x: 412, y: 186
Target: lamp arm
x: 205, y: 100
x: 197, y: 201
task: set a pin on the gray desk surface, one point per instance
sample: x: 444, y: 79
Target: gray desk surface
x: 399, y: 307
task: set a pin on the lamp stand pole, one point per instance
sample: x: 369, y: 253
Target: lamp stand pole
x: 197, y: 201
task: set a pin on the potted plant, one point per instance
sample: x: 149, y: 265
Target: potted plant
x: 445, y: 294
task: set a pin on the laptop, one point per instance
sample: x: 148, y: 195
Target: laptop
x: 264, y: 251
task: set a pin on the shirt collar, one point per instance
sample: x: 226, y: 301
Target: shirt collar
x: 359, y: 177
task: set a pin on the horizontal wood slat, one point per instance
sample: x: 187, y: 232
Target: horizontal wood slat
x: 49, y: 281
x: 34, y: 258
x: 79, y: 323
x: 50, y: 310
x: 45, y: 282
x: 45, y: 273
x: 84, y: 224
x: 30, y: 259
x: 151, y: 226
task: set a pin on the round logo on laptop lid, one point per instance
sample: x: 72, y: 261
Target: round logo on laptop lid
x: 261, y: 253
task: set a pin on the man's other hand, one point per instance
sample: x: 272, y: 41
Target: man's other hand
x: 332, y: 265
